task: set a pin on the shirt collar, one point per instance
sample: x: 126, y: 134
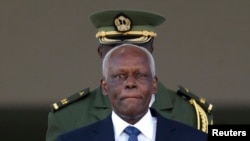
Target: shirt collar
x: 145, y: 125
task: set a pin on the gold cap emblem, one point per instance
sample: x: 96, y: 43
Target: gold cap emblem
x: 122, y: 23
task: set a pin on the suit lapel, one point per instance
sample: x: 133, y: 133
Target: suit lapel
x: 164, y: 128
x: 168, y: 130
x: 105, y: 131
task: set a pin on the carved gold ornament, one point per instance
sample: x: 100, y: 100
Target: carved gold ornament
x: 122, y: 24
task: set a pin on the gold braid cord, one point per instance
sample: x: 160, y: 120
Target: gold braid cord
x: 202, y: 120
x: 110, y: 33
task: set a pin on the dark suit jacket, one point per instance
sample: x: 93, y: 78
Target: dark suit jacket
x: 167, y: 130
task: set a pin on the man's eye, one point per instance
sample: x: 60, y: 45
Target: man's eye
x: 119, y: 76
x: 141, y: 75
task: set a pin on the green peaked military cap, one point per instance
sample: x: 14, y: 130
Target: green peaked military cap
x: 125, y: 25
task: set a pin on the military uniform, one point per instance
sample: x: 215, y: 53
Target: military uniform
x: 88, y: 106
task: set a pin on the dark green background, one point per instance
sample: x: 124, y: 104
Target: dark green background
x: 48, y: 52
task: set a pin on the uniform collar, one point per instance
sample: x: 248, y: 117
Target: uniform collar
x: 163, y: 101
x: 102, y: 106
x: 101, y: 101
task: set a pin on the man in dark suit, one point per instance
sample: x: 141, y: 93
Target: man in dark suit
x: 129, y: 81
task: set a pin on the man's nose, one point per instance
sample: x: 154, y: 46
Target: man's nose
x: 130, y: 82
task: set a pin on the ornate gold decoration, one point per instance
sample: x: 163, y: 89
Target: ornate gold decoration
x: 81, y: 93
x: 55, y: 106
x: 111, y: 33
x: 122, y: 23
x: 210, y: 107
x: 202, y: 120
x: 202, y: 100
x: 64, y: 101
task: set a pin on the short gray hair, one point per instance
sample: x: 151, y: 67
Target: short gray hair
x: 105, y: 63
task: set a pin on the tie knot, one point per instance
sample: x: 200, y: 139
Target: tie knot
x: 130, y: 130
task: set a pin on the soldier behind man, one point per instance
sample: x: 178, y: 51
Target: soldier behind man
x: 88, y: 106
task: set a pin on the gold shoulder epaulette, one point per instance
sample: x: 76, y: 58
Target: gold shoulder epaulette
x: 208, y: 107
x: 66, y: 101
x: 202, y: 108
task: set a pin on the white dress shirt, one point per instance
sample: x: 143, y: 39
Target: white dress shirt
x: 147, y: 126
x: 152, y: 100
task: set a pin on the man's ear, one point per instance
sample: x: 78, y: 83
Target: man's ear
x: 99, y: 52
x: 104, y: 87
x: 155, y: 80
x: 152, y: 49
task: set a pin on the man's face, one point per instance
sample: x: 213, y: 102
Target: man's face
x: 129, y: 84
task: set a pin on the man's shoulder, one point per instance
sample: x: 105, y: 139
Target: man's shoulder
x: 194, y: 99
x: 183, y: 97
x: 73, y: 100
x: 183, y: 94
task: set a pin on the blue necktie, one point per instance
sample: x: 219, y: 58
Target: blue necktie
x: 132, y: 132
